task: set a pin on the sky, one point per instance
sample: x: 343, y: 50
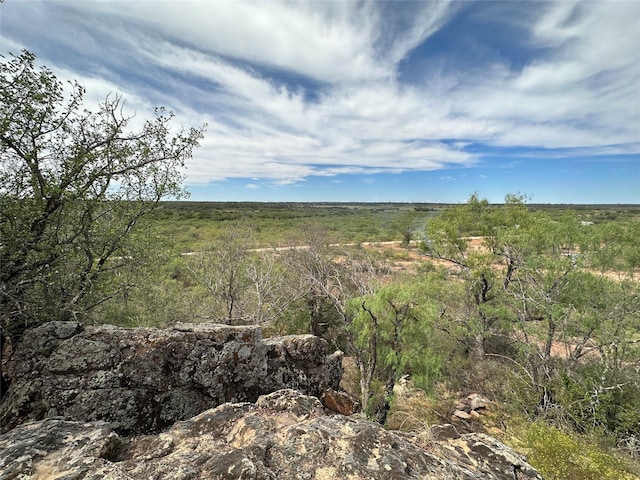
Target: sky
x: 367, y: 101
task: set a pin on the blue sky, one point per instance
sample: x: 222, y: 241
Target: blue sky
x: 367, y: 101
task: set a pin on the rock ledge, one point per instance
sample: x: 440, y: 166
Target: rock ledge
x: 143, y: 380
x: 285, y: 435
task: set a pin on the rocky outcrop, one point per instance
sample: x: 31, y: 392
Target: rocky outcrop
x: 214, y: 402
x: 144, y: 380
x: 284, y: 435
x: 470, y: 407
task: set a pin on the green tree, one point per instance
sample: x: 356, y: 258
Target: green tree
x: 392, y: 329
x: 575, y: 325
x: 476, y: 310
x: 74, y: 185
x: 562, y: 292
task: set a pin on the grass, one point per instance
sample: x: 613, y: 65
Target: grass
x: 557, y: 455
x: 561, y: 456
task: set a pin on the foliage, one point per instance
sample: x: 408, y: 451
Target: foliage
x: 560, y: 456
x: 245, y: 284
x: 193, y: 225
x: 541, y: 313
x: 392, y: 328
x: 74, y: 185
x: 538, y: 278
x: 479, y: 307
x: 158, y: 293
x: 560, y: 292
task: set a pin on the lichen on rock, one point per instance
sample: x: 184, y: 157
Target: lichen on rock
x: 143, y: 380
x: 285, y: 435
x: 209, y: 402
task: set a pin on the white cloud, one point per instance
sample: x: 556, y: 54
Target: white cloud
x: 552, y: 102
x: 318, y: 39
x: 585, y: 93
x: 293, y: 89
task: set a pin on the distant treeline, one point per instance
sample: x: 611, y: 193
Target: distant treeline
x: 230, y: 211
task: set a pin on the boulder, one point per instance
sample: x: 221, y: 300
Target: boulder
x: 284, y: 435
x: 143, y: 380
x: 472, y: 402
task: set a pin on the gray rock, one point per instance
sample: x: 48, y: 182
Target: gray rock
x: 284, y: 435
x: 143, y: 380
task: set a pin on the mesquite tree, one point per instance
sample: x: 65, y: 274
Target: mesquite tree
x: 73, y: 185
x: 563, y: 292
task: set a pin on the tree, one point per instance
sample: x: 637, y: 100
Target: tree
x: 272, y: 287
x: 478, y: 310
x: 221, y: 269
x: 574, y: 321
x: 562, y: 292
x: 335, y: 282
x: 245, y: 284
x: 314, y: 265
x: 74, y: 185
x: 392, y: 329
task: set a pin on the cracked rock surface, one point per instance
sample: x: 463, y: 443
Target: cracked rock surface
x: 209, y: 402
x: 142, y: 380
x: 283, y: 435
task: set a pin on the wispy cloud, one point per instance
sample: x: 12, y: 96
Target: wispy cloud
x: 297, y: 89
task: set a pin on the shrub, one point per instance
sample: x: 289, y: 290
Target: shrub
x: 560, y: 456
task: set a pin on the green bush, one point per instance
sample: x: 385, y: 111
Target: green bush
x: 559, y: 456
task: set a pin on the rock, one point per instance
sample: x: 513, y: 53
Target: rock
x: 444, y: 432
x: 143, y: 380
x: 340, y: 402
x: 476, y: 402
x: 461, y: 414
x: 307, y: 366
x: 285, y: 435
x: 471, y: 404
x: 485, y: 455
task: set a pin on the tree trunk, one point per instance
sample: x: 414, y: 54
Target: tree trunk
x: 478, y: 352
x: 365, y: 385
x: 4, y: 382
x: 315, y: 315
x: 385, y: 405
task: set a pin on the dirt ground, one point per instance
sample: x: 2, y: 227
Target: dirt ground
x: 407, y: 260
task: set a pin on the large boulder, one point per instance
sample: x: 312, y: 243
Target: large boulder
x: 284, y: 435
x: 143, y: 380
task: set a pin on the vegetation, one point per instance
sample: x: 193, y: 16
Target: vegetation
x: 561, y: 296
x: 536, y: 307
x: 560, y: 456
x: 191, y: 226
x: 74, y: 187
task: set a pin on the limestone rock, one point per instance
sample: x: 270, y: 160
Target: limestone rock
x: 285, y: 435
x: 472, y: 405
x: 143, y: 380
